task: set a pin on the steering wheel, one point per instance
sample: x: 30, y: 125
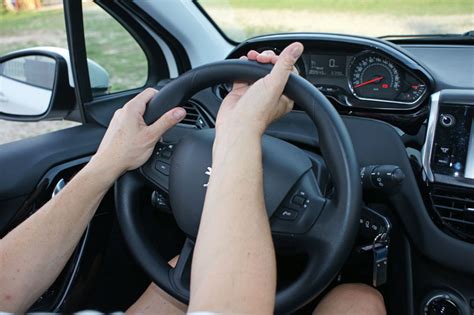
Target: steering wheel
x: 322, y: 227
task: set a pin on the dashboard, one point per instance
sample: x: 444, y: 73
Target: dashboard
x: 426, y: 90
x: 365, y: 76
x: 361, y: 76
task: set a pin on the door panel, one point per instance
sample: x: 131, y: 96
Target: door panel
x: 23, y: 163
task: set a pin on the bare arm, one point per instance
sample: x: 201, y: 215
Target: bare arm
x: 234, y: 267
x: 34, y: 253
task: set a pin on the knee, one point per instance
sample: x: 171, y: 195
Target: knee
x: 361, y: 292
x: 356, y: 298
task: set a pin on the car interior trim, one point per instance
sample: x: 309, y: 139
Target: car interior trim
x: 362, y: 45
x: 430, y: 132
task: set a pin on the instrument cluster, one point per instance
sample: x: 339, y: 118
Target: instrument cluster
x: 356, y: 79
x: 356, y: 73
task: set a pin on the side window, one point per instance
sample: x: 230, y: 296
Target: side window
x: 27, y: 26
x: 116, y: 61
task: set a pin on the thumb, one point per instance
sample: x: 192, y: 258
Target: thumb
x: 284, y: 66
x: 168, y: 120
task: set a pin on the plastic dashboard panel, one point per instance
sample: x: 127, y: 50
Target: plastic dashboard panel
x: 375, y: 142
x: 408, y: 118
x: 408, y: 203
x: 349, y: 46
x: 452, y: 66
x: 25, y: 162
x: 367, y: 135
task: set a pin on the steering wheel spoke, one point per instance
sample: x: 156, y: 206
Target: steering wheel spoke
x: 157, y: 169
x: 301, y: 207
x: 180, y: 275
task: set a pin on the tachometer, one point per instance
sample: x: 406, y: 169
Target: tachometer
x: 412, y: 89
x: 372, y: 76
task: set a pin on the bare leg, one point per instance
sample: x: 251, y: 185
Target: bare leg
x: 156, y: 301
x: 352, y: 299
x: 345, y: 299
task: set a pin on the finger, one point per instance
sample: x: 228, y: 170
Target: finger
x: 252, y: 55
x: 288, y: 103
x: 240, y: 87
x: 168, y: 120
x: 139, y: 102
x: 173, y: 261
x: 284, y: 66
x: 295, y: 71
x: 266, y: 56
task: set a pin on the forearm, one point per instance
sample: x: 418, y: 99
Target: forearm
x: 34, y: 253
x: 234, y: 260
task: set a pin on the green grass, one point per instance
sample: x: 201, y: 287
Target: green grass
x: 114, y: 49
x: 408, y: 7
x: 19, y: 30
x: 107, y: 42
x: 360, y: 17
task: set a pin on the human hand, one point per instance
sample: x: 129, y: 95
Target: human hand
x: 129, y: 142
x: 252, y: 108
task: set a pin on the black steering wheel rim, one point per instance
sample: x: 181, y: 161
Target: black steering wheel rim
x: 336, y: 148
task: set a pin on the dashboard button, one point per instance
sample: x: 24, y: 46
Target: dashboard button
x: 457, y: 166
x: 166, y: 153
x: 287, y: 214
x: 298, y: 200
x: 443, y: 160
x: 447, y: 120
x: 162, y: 167
x: 444, y: 149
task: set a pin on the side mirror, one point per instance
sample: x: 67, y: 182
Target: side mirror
x: 34, y: 85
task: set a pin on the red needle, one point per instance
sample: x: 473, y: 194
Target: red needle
x: 368, y: 82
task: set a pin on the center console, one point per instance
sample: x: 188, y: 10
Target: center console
x: 448, y: 165
x: 449, y: 149
x: 448, y: 161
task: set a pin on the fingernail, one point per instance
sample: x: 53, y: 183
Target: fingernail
x: 297, y: 51
x: 179, y: 113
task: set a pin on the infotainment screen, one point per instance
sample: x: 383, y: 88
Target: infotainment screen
x: 469, y: 173
x: 453, y: 151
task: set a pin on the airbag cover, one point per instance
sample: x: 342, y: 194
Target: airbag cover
x: 283, y: 165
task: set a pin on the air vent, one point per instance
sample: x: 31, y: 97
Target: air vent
x: 455, y: 208
x: 222, y: 90
x: 196, y: 117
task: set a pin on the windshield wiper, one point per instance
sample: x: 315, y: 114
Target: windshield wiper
x: 466, y: 37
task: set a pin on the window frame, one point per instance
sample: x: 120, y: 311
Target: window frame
x: 157, y: 65
x: 77, y: 53
x: 214, y: 23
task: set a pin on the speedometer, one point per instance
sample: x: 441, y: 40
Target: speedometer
x: 372, y: 76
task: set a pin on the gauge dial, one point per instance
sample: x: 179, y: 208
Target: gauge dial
x: 412, y: 89
x: 372, y: 76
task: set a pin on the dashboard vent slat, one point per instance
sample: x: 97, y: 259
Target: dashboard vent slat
x: 449, y: 208
x: 454, y: 208
x: 458, y: 221
x: 196, y: 117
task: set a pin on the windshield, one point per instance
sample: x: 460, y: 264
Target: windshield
x: 241, y: 19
